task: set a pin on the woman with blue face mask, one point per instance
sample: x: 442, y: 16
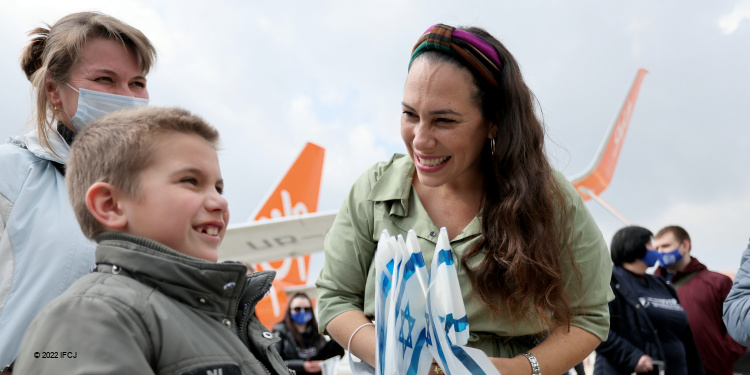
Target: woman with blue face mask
x: 301, y: 346
x: 82, y: 67
x: 649, y: 330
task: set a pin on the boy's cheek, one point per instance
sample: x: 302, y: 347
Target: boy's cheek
x: 226, y: 223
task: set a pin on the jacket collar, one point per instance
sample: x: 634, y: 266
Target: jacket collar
x: 391, y: 187
x: 693, y: 266
x: 626, y: 279
x: 31, y: 142
x: 394, y: 187
x: 621, y: 275
x: 214, y: 288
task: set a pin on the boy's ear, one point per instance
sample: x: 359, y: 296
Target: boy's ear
x: 102, y: 201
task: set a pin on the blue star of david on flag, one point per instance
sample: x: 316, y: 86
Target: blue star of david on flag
x: 408, y: 320
x: 419, y: 315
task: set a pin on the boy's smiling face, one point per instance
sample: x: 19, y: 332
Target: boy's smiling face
x: 179, y: 197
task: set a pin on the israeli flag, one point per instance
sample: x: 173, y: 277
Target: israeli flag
x: 384, y: 264
x: 419, y: 315
x: 411, y: 355
x: 448, y: 324
x: 391, y: 341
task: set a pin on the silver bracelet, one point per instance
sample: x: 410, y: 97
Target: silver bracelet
x: 534, y: 363
x: 349, y: 345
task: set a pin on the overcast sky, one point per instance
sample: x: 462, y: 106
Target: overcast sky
x: 274, y: 75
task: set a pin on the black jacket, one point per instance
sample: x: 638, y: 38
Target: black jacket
x: 294, y: 355
x: 631, y: 334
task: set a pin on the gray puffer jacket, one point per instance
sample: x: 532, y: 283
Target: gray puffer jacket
x: 737, y: 304
x: 151, y: 310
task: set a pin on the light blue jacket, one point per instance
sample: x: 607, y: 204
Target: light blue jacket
x: 737, y: 304
x: 42, y: 248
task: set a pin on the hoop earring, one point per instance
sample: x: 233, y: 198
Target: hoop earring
x: 492, y: 146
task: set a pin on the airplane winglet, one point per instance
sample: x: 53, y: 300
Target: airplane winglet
x: 597, y: 177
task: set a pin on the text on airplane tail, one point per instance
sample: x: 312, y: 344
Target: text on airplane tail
x: 296, y: 194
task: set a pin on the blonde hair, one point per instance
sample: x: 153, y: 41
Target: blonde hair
x: 54, y: 51
x: 117, y: 147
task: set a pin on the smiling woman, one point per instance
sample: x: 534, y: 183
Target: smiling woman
x: 82, y: 67
x: 533, y: 267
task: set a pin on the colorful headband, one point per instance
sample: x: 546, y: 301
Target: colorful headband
x: 475, y: 51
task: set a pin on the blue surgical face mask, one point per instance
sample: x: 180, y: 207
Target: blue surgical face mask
x: 302, y: 317
x: 651, y: 257
x: 95, y: 104
x: 671, y: 258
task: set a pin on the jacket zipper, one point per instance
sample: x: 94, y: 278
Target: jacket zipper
x: 245, y: 318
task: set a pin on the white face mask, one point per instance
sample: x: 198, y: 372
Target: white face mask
x: 95, y: 104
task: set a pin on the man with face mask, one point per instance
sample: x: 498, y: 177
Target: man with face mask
x: 701, y: 293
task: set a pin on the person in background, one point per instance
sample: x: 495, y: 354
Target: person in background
x: 702, y: 294
x: 647, y: 323
x: 531, y: 261
x: 300, y: 340
x: 85, y: 65
x: 737, y: 305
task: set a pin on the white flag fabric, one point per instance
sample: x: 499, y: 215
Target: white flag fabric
x: 448, y: 324
x: 384, y: 264
x: 410, y: 329
x: 421, y: 316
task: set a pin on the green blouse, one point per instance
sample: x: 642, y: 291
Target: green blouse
x: 383, y: 198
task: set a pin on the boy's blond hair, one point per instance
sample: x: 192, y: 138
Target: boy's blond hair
x: 117, y: 147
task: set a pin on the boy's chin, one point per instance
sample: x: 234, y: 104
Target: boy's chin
x: 210, y: 255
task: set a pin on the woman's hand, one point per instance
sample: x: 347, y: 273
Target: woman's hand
x: 435, y: 369
x: 312, y: 366
x: 644, y: 364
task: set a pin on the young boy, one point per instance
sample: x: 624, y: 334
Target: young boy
x: 146, y: 185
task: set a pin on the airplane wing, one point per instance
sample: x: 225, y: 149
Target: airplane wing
x: 273, y: 239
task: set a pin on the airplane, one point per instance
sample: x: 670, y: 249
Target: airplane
x: 284, y: 230
x: 287, y: 228
x: 596, y: 178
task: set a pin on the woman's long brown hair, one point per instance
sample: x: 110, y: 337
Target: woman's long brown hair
x: 523, y: 216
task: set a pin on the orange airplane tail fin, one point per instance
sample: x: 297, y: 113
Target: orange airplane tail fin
x: 296, y: 194
x: 300, y: 184
x: 596, y: 178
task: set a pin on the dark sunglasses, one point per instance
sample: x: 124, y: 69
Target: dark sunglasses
x: 298, y: 309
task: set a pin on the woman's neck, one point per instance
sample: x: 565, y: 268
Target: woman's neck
x: 300, y: 327
x: 637, y: 267
x: 448, y: 206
